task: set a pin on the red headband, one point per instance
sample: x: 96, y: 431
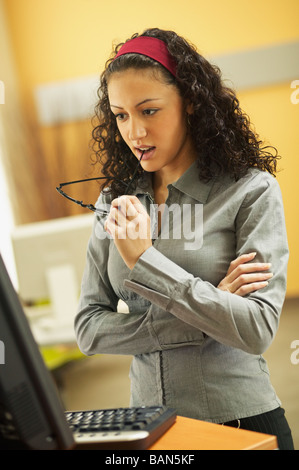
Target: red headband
x: 150, y: 47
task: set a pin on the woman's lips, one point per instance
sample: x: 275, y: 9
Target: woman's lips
x: 146, y: 152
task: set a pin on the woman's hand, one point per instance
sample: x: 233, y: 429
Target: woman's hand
x: 243, y: 277
x: 129, y: 225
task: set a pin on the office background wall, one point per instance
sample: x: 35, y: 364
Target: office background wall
x: 56, y: 41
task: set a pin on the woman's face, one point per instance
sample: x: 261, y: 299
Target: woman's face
x: 151, y: 116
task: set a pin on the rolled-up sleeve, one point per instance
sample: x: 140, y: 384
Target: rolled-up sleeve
x: 248, y: 323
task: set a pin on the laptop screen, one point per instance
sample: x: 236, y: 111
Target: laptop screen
x: 31, y: 415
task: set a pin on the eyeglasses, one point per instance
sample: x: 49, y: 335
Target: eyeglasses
x: 91, y: 207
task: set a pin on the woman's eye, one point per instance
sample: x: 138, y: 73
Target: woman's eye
x: 149, y: 112
x: 120, y: 116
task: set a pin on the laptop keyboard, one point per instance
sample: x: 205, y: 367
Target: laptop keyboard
x: 120, y: 424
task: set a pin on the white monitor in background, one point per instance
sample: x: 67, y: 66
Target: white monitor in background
x: 50, y: 258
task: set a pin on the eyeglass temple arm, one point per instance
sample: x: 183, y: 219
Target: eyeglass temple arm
x: 134, y: 174
x: 91, y: 206
x: 88, y: 206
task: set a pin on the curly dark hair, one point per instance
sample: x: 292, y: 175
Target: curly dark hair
x: 220, y: 130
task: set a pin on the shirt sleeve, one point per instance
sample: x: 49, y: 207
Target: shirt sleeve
x: 248, y: 323
x: 99, y: 327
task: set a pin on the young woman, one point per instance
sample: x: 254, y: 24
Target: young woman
x: 204, y: 195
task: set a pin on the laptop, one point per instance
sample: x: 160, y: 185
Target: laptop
x: 31, y: 413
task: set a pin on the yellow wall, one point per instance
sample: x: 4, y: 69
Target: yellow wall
x: 57, y: 39
x: 61, y: 39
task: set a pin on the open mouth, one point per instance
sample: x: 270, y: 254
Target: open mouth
x: 145, y: 151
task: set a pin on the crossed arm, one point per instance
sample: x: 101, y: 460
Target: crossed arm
x: 223, y: 312
x: 128, y: 218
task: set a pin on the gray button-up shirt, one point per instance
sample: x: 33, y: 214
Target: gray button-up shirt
x: 195, y: 347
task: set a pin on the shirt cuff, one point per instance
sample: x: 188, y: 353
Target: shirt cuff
x: 155, y: 277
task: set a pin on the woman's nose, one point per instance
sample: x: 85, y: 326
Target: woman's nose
x: 137, y: 130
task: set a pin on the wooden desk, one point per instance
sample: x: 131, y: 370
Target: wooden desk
x: 192, y: 434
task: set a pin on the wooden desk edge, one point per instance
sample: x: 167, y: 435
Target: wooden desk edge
x: 193, y: 434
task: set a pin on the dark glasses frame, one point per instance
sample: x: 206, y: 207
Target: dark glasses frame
x: 91, y: 207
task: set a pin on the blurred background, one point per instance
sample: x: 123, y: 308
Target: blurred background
x: 51, y: 55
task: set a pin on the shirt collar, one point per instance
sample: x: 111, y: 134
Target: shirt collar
x: 189, y: 183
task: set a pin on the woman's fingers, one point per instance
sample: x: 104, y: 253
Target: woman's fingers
x: 129, y: 225
x: 241, y: 264
x: 243, y: 269
x: 128, y: 219
x: 248, y: 288
x: 244, y: 277
x: 240, y: 260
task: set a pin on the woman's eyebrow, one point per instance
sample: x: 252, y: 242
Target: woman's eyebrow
x: 146, y: 101
x: 138, y: 104
x: 114, y: 106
